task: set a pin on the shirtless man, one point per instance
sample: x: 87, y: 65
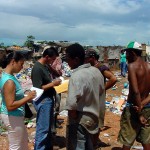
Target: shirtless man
x: 133, y: 122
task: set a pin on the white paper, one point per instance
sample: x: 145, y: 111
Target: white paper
x: 61, y: 78
x: 39, y: 92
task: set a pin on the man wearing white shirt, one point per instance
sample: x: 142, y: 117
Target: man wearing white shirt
x: 86, y: 90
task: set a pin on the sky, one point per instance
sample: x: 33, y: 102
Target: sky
x: 89, y: 22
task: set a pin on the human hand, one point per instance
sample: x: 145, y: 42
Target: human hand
x: 143, y: 120
x: 31, y: 94
x: 137, y: 109
x: 57, y: 82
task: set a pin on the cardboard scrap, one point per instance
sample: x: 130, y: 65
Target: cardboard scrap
x: 120, y: 103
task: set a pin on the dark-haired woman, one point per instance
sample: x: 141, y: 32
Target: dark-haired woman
x: 13, y: 100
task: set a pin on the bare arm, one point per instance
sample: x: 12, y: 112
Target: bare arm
x: 111, y: 79
x: 52, y: 84
x: 145, y: 101
x: 9, y: 95
x: 142, y: 119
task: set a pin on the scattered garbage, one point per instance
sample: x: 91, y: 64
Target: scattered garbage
x: 115, y: 99
x: 3, y: 130
x: 114, y: 87
x: 126, y: 85
x: 66, y: 70
x: 125, y: 92
x: 107, y: 104
x: 137, y: 147
x: 106, y: 135
x: 64, y: 113
x: 31, y: 125
x: 117, y: 104
x: 31, y: 137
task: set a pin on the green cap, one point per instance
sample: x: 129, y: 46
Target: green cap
x: 134, y: 45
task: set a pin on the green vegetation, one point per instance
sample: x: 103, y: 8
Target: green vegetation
x: 30, y: 41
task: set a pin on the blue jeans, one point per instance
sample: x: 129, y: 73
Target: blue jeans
x: 78, y: 138
x: 123, y: 68
x: 126, y: 67
x: 44, y: 107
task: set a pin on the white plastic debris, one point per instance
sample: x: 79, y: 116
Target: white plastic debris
x: 64, y: 113
x: 137, y: 147
x: 106, y: 135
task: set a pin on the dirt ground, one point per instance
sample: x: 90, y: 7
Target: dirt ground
x: 108, y: 134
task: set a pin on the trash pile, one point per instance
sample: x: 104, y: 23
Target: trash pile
x: 25, y: 79
x: 66, y: 70
x: 117, y: 103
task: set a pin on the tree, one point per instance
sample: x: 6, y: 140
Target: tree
x: 2, y: 45
x: 29, y: 42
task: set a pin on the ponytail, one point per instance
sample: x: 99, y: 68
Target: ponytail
x: 7, y: 59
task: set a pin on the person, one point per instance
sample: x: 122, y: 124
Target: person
x: 44, y: 106
x: 131, y: 126
x: 123, y: 64
x: 56, y: 72
x: 13, y: 101
x: 56, y: 66
x: 85, y: 92
x: 92, y: 57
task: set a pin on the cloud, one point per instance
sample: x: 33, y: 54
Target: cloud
x: 94, y: 22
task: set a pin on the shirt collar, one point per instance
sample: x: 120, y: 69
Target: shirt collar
x: 82, y: 66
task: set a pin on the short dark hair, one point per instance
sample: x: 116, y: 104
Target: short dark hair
x: 50, y: 52
x: 136, y: 51
x: 91, y: 53
x: 76, y: 50
x: 16, y: 55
